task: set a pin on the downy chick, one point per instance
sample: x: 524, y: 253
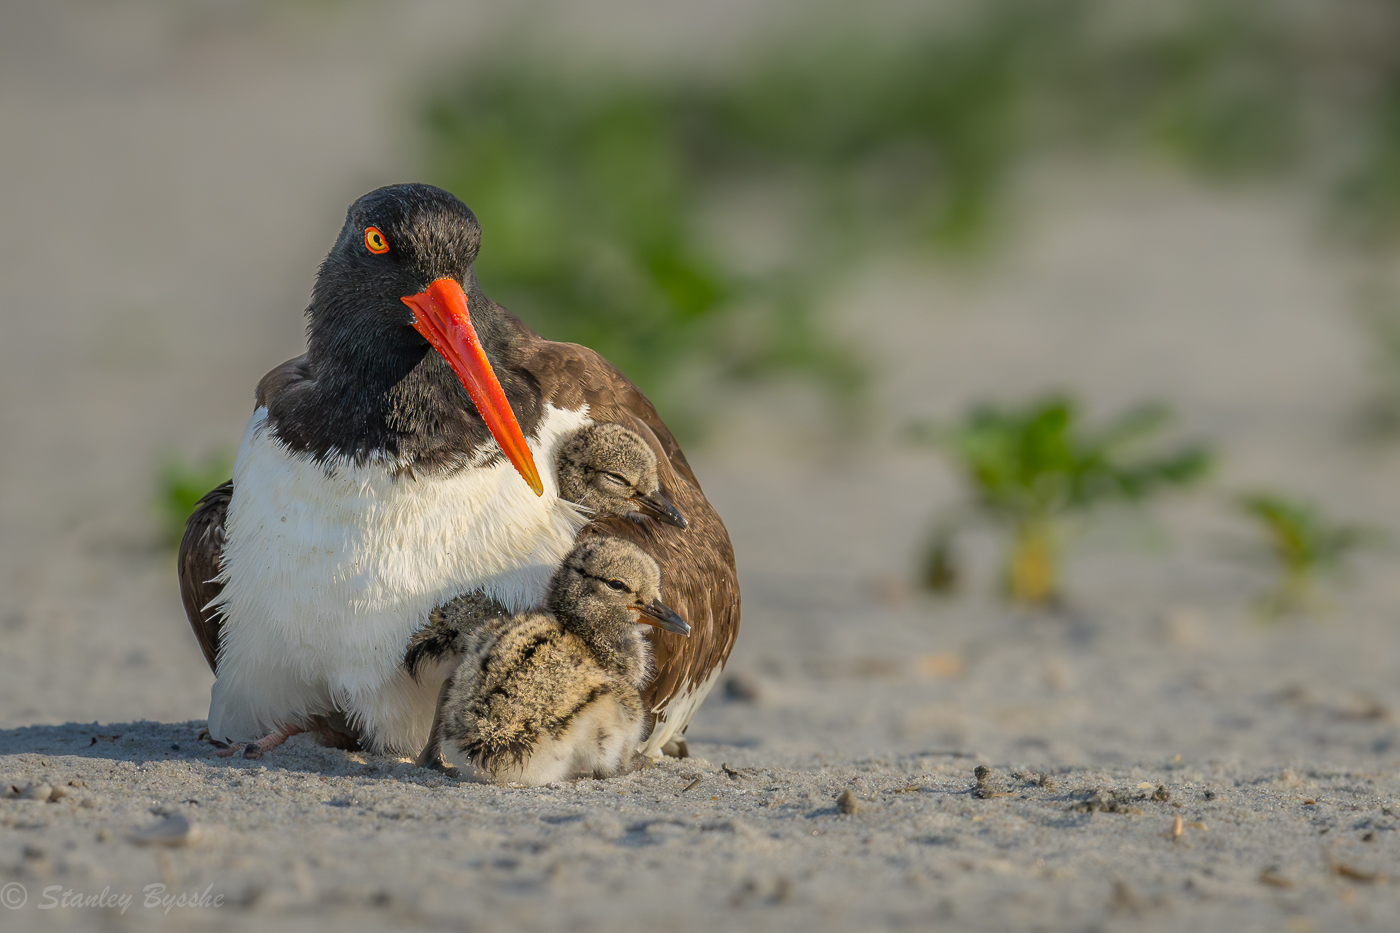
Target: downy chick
x: 547, y: 696
x: 604, y: 469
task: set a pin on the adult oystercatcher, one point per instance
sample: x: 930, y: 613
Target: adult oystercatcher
x: 392, y: 468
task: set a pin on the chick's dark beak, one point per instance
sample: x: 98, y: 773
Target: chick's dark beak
x: 662, y: 616
x: 659, y: 506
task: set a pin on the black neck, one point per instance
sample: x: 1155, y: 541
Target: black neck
x: 377, y: 388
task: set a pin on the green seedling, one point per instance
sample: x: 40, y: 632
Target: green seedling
x: 1034, y: 468
x: 941, y: 571
x: 1303, y: 547
x: 180, y: 486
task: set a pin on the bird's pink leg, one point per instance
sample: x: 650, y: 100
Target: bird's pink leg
x: 263, y: 745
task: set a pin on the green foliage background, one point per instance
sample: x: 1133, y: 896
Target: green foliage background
x: 1030, y: 468
x: 1303, y: 545
x: 598, y: 187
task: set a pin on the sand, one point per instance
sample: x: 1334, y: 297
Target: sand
x: 154, y: 157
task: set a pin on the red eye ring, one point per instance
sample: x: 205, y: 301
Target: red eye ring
x: 375, y: 241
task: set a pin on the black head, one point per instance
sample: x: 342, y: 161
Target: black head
x: 396, y: 241
x: 407, y: 356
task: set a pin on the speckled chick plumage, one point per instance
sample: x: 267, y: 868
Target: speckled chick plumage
x: 547, y: 696
x: 603, y: 466
x: 605, y: 469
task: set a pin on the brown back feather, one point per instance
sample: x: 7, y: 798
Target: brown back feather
x: 698, y: 577
x: 198, y: 565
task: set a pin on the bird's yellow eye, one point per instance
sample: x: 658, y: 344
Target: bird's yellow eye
x: 374, y: 241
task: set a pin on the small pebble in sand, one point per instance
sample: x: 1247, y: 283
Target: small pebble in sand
x: 174, y: 830
x: 1161, y: 794
x: 33, y: 791
x: 847, y: 803
x: 1342, y: 870
x: 1101, y: 801
x: 742, y: 689
x: 986, y: 787
x: 1177, y: 827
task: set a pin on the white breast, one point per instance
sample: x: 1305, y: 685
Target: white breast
x: 328, y: 569
x: 672, y: 718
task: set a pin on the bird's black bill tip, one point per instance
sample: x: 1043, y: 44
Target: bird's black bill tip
x: 662, y: 616
x: 658, y: 505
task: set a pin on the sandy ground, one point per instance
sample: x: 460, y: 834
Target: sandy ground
x: 171, y: 179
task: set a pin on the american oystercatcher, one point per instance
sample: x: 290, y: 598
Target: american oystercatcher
x: 392, y: 468
x: 547, y: 696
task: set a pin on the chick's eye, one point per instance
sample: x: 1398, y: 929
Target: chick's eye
x: 616, y: 479
x: 617, y: 584
x: 375, y: 241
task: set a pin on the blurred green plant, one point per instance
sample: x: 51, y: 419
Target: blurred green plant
x: 1220, y: 90
x: 179, y: 487
x: 1369, y: 194
x: 615, y: 204
x: 1032, y: 468
x: 1303, y: 546
x: 1380, y: 415
x: 595, y: 190
x: 942, y: 572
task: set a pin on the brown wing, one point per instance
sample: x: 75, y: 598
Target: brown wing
x: 200, y: 550
x: 280, y: 378
x: 698, y: 578
x: 203, y: 544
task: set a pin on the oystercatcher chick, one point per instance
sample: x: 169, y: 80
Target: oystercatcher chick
x: 547, y: 696
x: 603, y: 469
x: 606, y: 469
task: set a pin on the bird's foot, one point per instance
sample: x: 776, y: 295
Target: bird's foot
x: 204, y: 736
x: 270, y: 741
x: 255, y: 750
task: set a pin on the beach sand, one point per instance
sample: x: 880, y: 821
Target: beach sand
x: 171, y: 183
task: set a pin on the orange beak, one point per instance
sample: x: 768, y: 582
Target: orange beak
x: 440, y: 315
